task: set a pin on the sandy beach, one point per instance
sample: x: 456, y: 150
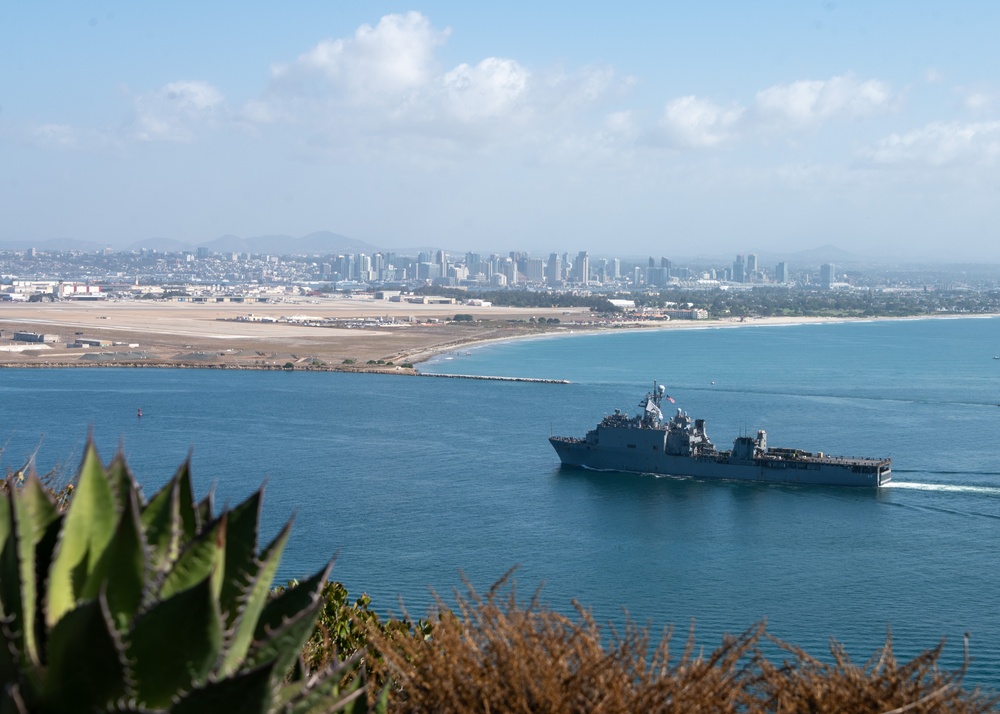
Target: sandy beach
x: 273, y: 335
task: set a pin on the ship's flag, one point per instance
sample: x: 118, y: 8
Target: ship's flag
x: 652, y: 409
x: 669, y: 398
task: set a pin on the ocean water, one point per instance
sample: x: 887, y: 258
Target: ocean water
x: 415, y: 483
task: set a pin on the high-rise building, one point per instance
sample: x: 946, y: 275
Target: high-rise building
x: 826, y: 276
x: 509, y: 270
x: 364, y: 264
x: 752, y: 263
x: 781, y: 273
x: 582, y: 268
x: 345, y: 267
x: 739, y: 269
x: 472, y: 262
x: 534, y: 270
x: 657, y: 276
x: 616, y: 269
x: 553, y: 271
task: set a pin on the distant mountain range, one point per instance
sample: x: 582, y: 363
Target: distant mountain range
x: 318, y: 243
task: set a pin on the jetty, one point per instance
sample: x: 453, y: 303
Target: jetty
x: 495, y: 379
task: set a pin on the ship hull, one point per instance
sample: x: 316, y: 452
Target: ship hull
x: 579, y: 453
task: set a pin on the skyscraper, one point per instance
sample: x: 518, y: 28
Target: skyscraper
x: 534, y: 270
x: 739, y: 269
x: 553, y: 271
x: 781, y: 273
x: 582, y: 268
x: 826, y: 276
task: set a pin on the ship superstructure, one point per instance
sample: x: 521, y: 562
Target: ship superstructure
x: 679, y: 446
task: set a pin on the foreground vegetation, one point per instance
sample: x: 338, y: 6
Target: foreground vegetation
x: 493, y: 654
x: 111, y: 603
x: 115, y: 603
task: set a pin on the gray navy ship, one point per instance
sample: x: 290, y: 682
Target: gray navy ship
x: 679, y: 446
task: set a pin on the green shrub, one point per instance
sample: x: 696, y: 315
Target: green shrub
x: 345, y: 629
x: 118, y: 604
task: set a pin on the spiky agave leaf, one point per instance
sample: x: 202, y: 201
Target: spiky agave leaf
x: 121, y: 568
x: 249, y: 692
x: 285, y: 639
x: 174, y: 645
x: 205, y: 556
x: 122, y: 606
x: 161, y: 522
x: 203, y: 510
x: 86, y: 530
x: 36, y: 525
x: 252, y: 603
x: 185, y: 500
x: 86, y: 660
x: 242, y: 564
x: 121, y: 478
x: 290, y: 601
x: 322, y: 692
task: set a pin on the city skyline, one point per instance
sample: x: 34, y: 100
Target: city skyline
x: 783, y: 128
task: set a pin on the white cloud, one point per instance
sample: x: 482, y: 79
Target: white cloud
x: 812, y: 101
x: 940, y: 144
x: 690, y: 121
x: 56, y: 136
x: 384, y: 84
x: 622, y: 124
x: 376, y: 64
x: 979, y: 101
x: 492, y: 88
x: 64, y: 137
x: 175, y: 111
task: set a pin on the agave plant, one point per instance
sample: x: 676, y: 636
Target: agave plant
x: 118, y: 604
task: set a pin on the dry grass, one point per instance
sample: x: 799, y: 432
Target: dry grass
x: 883, y: 684
x: 490, y: 654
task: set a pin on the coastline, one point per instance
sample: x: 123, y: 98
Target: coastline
x: 283, y: 347
x: 579, y: 331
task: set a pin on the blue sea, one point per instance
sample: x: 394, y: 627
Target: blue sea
x: 416, y: 483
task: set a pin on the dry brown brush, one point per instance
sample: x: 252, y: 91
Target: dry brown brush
x: 883, y: 684
x: 491, y: 654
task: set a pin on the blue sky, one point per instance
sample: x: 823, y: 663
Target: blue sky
x: 664, y: 128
